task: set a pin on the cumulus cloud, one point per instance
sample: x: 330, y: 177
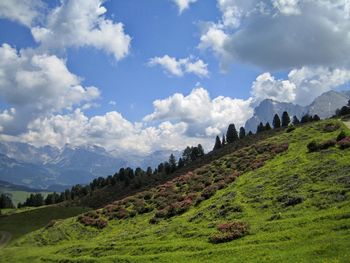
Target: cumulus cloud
x: 22, y: 11
x: 111, y: 131
x: 177, y: 121
x: 204, y: 116
x: 37, y: 85
x: 267, y: 87
x: 281, y: 34
x: 178, y: 67
x: 79, y: 23
x: 302, y: 86
x: 183, y: 4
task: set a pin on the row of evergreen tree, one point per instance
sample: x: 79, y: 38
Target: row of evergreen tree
x: 232, y: 134
x: 124, y: 177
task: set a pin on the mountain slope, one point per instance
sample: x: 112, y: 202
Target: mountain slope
x: 326, y: 104
x: 266, y: 110
x: 296, y: 205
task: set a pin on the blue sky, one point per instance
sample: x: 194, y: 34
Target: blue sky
x: 122, y: 62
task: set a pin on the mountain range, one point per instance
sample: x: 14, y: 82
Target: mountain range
x: 56, y: 169
x: 324, y: 106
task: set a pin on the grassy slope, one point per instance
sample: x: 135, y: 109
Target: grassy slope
x: 317, y: 230
x: 26, y: 220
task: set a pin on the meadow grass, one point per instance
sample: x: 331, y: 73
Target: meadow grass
x: 297, y: 206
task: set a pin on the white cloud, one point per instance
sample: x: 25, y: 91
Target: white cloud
x: 214, y: 38
x: 203, y: 116
x: 177, y: 121
x: 287, y: 7
x: 281, y: 34
x: 267, y: 87
x: 302, y: 86
x: 183, y: 4
x: 79, y: 23
x: 37, y: 85
x: 22, y: 11
x: 178, y: 67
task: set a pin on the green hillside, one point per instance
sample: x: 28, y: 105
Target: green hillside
x: 274, y: 199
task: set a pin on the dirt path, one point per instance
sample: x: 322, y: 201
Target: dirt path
x: 5, y: 237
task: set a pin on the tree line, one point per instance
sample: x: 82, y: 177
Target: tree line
x: 232, y: 135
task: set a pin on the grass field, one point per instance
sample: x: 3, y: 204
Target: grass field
x: 297, y: 207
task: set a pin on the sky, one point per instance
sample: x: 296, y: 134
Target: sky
x: 139, y: 76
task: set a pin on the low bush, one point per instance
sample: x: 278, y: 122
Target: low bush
x: 287, y: 200
x: 229, y: 231
x: 331, y: 127
x: 313, y: 146
x: 209, y: 191
x: 344, y: 143
x: 327, y: 144
x: 92, y: 219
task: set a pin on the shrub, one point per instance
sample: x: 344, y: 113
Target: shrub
x: 344, y: 143
x: 229, y: 231
x: 92, y: 219
x: 313, y: 146
x: 341, y: 136
x: 331, y: 127
x: 290, y: 200
x: 209, y: 191
x: 327, y: 144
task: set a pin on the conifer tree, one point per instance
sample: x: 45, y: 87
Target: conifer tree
x: 231, y: 134
x: 276, y: 122
x: 217, y: 143
x: 267, y: 126
x: 295, y: 120
x: 285, y: 119
x: 316, y: 118
x: 241, y: 133
x: 172, y: 163
x: 260, y: 128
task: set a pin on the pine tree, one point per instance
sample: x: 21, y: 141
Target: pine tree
x: 276, y: 122
x: 250, y: 133
x: 172, y: 163
x: 295, y: 120
x: 285, y: 119
x: 267, y: 126
x: 241, y: 133
x: 260, y: 128
x: 5, y: 201
x: 217, y: 143
x: 200, y: 150
x: 316, y: 118
x: 180, y: 163
x: 231, y: 134
x: 306, y: 118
